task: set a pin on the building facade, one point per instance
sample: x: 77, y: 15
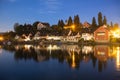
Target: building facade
x: 101, y: 34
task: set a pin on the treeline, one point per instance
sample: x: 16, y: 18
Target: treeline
x: 58, y: 29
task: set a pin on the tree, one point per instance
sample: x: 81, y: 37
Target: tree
x: 35, y: 26
x: 27, y: 28
x: 77, y: 23
x: 105, y: 20
x: 70, y: 22
x: 55, y: 29
x: 111, y: 24
x: 76, y: 20
x: 19, y: 29
x: 116, y: 25
x: 100, y: 22
x: 15, y: 26
x: 61, y: 24
x: 94, y: 24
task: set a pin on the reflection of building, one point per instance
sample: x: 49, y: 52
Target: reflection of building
x: 101, y: 52
x: 0, y: 50
x: 87, y: 49
x: 118, y: 58
x: 71, y: 48
x: 72, y: 55
x: 73, y: 59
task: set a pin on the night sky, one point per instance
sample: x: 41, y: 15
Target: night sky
x: 29, y: 11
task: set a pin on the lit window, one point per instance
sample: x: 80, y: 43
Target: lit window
x: 100, y: 33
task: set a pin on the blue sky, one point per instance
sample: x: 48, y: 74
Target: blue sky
x: 29, y: 11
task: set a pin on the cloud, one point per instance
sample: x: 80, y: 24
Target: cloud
x: 51, y: 6
x: 11, y: 0
x: 52, y: 11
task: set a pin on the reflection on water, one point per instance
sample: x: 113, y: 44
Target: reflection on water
x: 0, y: 50
x: 118, y: 58
x: 74, y: 55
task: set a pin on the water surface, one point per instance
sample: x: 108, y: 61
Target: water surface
x: 59, y: 62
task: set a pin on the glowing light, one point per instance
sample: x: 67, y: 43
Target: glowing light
x: 73, y: 59
x: 1, y: 38
x: 53, y: 37
x: 101, y: 53
x: 54, y: 47
x: 70, y: 27
x: 27, y: 47
x: 17, y: 47
x: 118, y: 59
x: 73, y: 27
x: 27, y: 39
x: 87, y: 49
x: 116, y: 33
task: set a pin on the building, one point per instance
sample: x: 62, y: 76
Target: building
x: 86, y: 34
x: 86, y: 25
x: 101, y: 34
x: 71, y: 38
x: 40, y: 26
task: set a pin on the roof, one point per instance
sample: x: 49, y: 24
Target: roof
x: 104, y: 27
x: 86, y: 30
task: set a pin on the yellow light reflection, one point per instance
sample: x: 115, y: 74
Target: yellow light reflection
x: 17, y: 47
x: 73, y: 59
x: 27, y: 47
x: 1, y: 50
x: 87, y: 49
x: 53, y: 47
x: 118, y: 59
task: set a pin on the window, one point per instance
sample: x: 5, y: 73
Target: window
x: 101, y: 33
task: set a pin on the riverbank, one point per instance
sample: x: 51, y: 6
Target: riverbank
x: 55, y: 42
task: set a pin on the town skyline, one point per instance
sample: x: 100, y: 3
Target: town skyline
x: 13, y: 11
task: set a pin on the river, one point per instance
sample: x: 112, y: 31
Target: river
x: 60, y: 62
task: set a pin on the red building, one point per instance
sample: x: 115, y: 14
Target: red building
x: 101, y: 34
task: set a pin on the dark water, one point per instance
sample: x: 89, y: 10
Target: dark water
x: 59, y: 62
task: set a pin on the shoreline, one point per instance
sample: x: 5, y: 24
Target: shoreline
x: 56, y: 42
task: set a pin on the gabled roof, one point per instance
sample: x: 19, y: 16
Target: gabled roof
x: 86, y: 24
x: 104, y: 27
x: 86, y: 30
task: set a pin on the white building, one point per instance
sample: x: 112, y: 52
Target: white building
x: 87, y: 36
x: 40, y: 26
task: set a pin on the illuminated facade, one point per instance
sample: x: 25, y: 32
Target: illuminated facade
x: 87, y: 36
x: 40, y: 26
x: 101, y: 34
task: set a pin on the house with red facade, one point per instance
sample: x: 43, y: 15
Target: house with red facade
x: 101, y: 34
